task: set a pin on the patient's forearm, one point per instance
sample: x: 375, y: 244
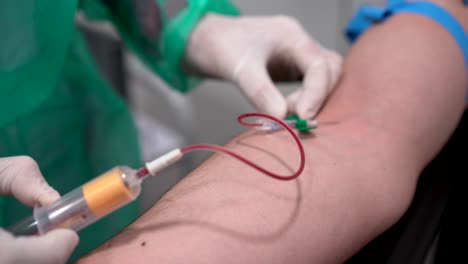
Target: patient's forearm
x: 400, y: 98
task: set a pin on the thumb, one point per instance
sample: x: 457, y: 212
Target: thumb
x: 256, y: 84
x: 54, y: 247
x: 316, y: 89
x: 292, y: 100
x: 321, y: 78
x: 20, y: 176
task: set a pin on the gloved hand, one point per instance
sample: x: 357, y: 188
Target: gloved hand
x: 253, y: 52
x: 20, y: 177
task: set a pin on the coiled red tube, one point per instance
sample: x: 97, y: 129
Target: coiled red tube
x: 241, y: 120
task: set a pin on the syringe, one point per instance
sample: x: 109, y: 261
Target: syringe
x: 122, y: 185
x: 93, y: 200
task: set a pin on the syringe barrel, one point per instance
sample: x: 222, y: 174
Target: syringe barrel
x: 71, y: 211
x: 90, y: 202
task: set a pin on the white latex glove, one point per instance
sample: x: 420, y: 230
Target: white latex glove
x: 20, y: 177
x: 253, y: 52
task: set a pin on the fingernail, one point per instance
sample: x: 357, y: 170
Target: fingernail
x: 48, y: 196
x: 317, y: 63
x: 307, y: 113
x: 276, y: 108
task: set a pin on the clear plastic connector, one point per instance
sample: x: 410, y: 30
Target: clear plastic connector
x: 270, y: 125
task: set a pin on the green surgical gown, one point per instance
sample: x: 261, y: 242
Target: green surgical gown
x: 56, y: 107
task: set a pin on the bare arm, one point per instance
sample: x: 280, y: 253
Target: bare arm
x: 399, y: 100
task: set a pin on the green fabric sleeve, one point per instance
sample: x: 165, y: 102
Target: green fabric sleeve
x: 158, y: 30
